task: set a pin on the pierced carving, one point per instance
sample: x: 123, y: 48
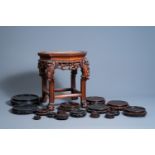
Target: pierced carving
x: 68, y: 65
x: 46, y: 68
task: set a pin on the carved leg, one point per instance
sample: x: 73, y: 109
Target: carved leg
x: 44, y: 90
x: 73, y: 82
x: 84, y: 77
x: 83, y: 92
x: 51, y: 95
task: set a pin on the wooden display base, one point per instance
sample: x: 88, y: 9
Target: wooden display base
x: 66, y: 60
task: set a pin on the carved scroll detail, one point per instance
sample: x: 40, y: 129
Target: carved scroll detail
x: 49, y: 71
x: 41, y: 66
x: 85, y: 69
x: 46, y: 69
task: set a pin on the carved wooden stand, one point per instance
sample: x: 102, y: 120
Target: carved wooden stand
x: 69, y: 60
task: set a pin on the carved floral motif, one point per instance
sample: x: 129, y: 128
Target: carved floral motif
x: 46, y: 68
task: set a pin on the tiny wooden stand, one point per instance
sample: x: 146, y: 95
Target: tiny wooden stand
x: 68, y: 60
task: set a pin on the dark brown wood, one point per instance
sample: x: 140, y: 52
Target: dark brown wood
x: 95, y: 99
x: 135, y: 111
x: 61, y: 115
x: 117, y: 104
x: 83, y: 92
x: 69, y: 106
x: 51, y: 114
x: 44, y: 90
x: 51, y: 95
x: 109, y: 115
x: 73, y: 82
x: 68, y: 60
x: 42, y: 112
x: 78, y: 113
x: 95, y: 114
x: 25, y: 99
x: 101, y: 108
x: 24, y: 109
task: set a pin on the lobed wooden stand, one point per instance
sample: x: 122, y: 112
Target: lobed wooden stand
x: 68, y: 60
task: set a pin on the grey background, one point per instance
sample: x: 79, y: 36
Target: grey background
x: 121, y: 62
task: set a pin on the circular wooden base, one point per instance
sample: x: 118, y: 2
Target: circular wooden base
x: 117, y: 104
x: 78, y: 113
x: 135, y: 111
x: 95, y: 99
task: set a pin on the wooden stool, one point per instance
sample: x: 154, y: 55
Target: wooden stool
x: 68, y: 60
